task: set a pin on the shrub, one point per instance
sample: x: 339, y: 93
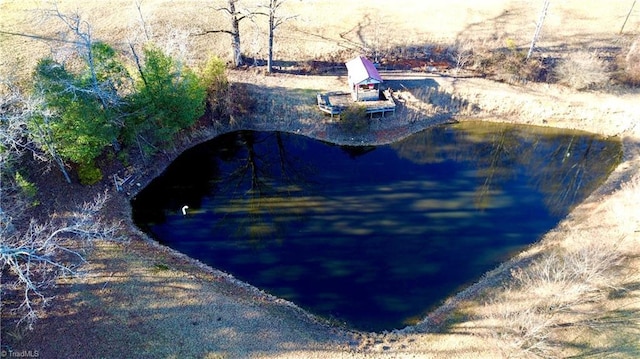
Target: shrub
x: 213, y: 73
x: 80, y: 121
x: 581, y: 70
x: 631, y: 65
x: 89, y: 174
x: 508, y: 64
x: 555, y: 291
x: 29, y: 189
x: 169, y: 98
x: 534, y: 69
x: 214, y: 80
x: 354, y: 119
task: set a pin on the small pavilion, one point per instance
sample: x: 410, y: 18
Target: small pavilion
x: 364, y: 79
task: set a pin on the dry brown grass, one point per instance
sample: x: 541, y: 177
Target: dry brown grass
x: 630, y: 64
x: 578, y: 297
x: 582, y: 70
x: 319, y: 32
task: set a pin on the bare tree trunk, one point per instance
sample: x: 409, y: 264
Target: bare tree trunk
x: 627, y: 18
x: 138, y: 65
x: 272, y: 26
x: 543, y: 14
x: 274, y: 21
x: 234, y: 18
x: 235, y: 34
x: 235, y: 45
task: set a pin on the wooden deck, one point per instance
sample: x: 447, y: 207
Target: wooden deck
x: 334, y: 103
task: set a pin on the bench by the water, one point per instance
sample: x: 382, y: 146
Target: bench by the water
x: 334, y: 103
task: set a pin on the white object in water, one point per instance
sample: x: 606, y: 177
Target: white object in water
x: 184, y: 210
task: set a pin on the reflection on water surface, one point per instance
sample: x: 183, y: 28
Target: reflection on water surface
x: 372, y: 236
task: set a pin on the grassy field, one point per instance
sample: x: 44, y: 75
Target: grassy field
x: 320, y: 30
x: 577, y: 292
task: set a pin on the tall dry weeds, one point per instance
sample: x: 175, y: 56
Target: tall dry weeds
x: 581, y: 70
x: 630, y: 65
x: 578, y: 295
x: 555, y: 293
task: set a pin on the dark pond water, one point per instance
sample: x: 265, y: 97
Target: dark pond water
x: 375, y: 236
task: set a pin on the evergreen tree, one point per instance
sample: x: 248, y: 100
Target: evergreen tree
x: 81, y: 115
x: 168, y: 98
x: 76, y: 123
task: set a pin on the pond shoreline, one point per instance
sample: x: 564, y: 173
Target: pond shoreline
x: 574, y: 117
x: 251, y: 323
x: 395, y: 129
x: 462, y: 147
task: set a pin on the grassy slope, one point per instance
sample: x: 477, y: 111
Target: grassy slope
x: 322, y: 29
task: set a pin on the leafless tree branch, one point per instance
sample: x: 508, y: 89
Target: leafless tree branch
x: 143, y: 23
x: 16, y: 109
x: 34, y: 259
x: 205, y: 32
x: 235, y: 16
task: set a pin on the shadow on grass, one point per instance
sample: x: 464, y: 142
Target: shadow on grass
x: 129, y: 307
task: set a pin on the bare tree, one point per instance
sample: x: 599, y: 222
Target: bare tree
x: 34, y: 258
x: 33, y: 255
x: 275, y: 20
x: 235, y: 17
x: 13, y: 113
x: 16, y: 109
x: 536, y: 33
x: 462, y: 54
x: 84, y: 42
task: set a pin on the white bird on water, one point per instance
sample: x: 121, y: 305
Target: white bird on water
x: 184, y: 210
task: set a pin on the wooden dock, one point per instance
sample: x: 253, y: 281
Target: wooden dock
x: 334, y: 103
